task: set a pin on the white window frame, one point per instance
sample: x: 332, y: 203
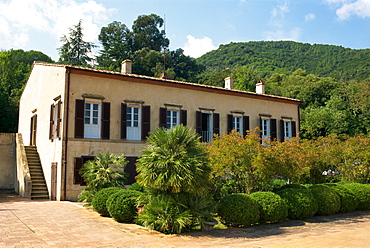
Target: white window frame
x: 133, y: 126
x: 172, y: 118
x: 237, y: 123
x: 266, y: 128
x: 92, y: 130
x: 288, y: 132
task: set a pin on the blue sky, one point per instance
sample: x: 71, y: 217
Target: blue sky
x: 197, y: 26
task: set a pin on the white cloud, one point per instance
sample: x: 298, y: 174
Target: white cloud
x: 197, y: 47
x: 347, y: 8
x: 18, y: 18
x: 309, y: 17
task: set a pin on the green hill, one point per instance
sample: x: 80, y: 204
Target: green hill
x: 287, y: 56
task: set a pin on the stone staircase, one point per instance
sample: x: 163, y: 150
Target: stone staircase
x: 39, y: 187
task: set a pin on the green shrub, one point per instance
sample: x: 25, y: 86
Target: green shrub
x: 291, y: 186
x: 238, y: 210
x: 137, y: 187
x: 122, y: 205
x: 348, y: 199
x: 272, y: 208
x: 99, y: 201
x: 300, y: 202
x: 362, y: 191
x: 327, y: 199
x: 164, y: 214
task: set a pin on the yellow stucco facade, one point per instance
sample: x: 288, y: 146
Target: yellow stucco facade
x: 51, y: 84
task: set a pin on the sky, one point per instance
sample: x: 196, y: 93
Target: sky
x: 197, y: 26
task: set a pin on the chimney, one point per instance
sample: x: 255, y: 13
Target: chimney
x: 126, y: 66
x: 229, y: 83
x: 260, y: 87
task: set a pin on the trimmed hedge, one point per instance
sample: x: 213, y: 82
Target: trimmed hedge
x: 328, y: 200
x: 348, y: 200
x: 99, y: 201
x: 137, y: 187
x: 272, y: 208
x: 238, y: 210
x: 362, y: 191
x: 122, y: 205
x: 300, y: 202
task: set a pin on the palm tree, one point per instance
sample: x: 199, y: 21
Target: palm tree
x: 174, y: 162
x: 105, y: 170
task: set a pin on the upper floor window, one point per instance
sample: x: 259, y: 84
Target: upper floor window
x: 172, y: 118
x: 92, y: 119
x: 55, y: 120
x: 288, y: 128
x: 268, y: 128
x: 133, y: 122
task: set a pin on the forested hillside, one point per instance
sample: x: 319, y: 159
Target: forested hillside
x: 287, y: 56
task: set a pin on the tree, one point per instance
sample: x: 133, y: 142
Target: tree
x: 15, y: 67
x: 116, y: 40
x: 74, y: 50
x: 105, y: 170
x: 146, y: 33
x: 174, y: 162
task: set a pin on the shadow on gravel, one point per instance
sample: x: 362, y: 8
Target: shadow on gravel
x: 285, y: 228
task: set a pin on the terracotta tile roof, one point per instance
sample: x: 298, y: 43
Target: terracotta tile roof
x: 167, y: 80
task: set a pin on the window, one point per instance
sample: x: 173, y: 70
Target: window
x: 170, y: 117
x: 79, y: 162
x: 92, y: 119
x: 268, y: 128
x: 207, y: 124
x: 288, y: 129
x: 55, y: 120
x: 135, y: 121
x: 238, y: 122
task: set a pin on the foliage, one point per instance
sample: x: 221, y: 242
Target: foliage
x: 174, y: 162
x: 74, y: 50
x: 99, y: 201
x: 362, y: 192
x: 15, y: 66
x: 137, y: 187
x: 105, y: 170
x: 348, y: 200
x: 300, y: 202
x: 327, y: 199
x: 272, y: 208
x: 164, y: 214
x: 232, y: 159
x: 355, y: 164
x: 122, y: 205
x: 238, y: 210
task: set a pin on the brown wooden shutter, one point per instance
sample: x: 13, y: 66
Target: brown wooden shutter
x: 273, y: 130
x: 130, y: 169
x: 123, y: 121
x: 245, y: 125
x: 59, y: 119
x: 145, y: 119
x: 198, y: 122
x: 77, y: 178
x: 282, y: 131
x: 183, y: 117
x: 294, y: 130
x: 51, y: 125
x: 216, y: 123
x: 163, y: 117
x: 79, y: 118
x: 261, y: 132
x: 229, y: 123
x: 105, y: 128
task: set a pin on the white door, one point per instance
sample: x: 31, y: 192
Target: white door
x: 133, y: 119
x: 92, y: 120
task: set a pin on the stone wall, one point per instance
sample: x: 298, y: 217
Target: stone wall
x: 8, y: 162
